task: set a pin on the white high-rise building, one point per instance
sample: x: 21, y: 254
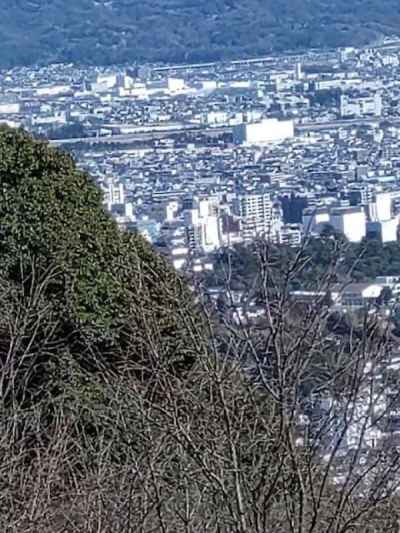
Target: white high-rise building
x: 255, y: 212
x: 298, y: 72
x: 380, y: 210
x: 114, y: 193
x: 203, y: 225
x: 382, y: 225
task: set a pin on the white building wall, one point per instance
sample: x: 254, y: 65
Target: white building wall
x: 10, y: 108
x: 171, y: 210
x: 371, y: 105
x: 175, y: 84
x: 352, y: 224
x: 255, y: 212
x: 53, y: 90
x: 216, y: 117
x: 204, y: 221
x: 129, y: 210
x: 204, y: 208
x: 389, y: 230
x: 381, y: 209
x: 208, y: 85
x: 269, y: 130
x: 211, y: 234
x: 107, y: 80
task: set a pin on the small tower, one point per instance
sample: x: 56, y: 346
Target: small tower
x: 298, y: 72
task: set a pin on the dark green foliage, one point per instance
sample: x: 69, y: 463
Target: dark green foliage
x: 326, y: 98
x: 113, y: 300
x: 180, y: 30
x: 74, y: 130
x: 330, y: 259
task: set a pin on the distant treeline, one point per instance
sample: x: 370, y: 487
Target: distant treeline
x: 90, y: 32
x: 361, y: 262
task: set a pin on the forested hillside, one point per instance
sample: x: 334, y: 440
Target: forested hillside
x: 117, y: 31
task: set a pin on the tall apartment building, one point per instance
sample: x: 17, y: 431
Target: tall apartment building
x: 380, y: 208
x: 382, y: 224
x: 255, y: 212
x: 114, y: 192
x: 203, y: 225
x: 361, y: 195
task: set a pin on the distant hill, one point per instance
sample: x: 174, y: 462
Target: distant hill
x: 119, y: 31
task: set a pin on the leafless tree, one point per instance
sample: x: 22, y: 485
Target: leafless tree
x: 285, y: 423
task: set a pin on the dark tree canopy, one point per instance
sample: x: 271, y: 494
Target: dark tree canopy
x: 112, y: 296
x: 124, y: 31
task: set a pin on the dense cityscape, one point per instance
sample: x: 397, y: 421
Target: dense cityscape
x: 290, y: 149
x: 199, y: 157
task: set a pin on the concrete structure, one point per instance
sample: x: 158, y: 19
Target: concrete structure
x: 129, y: 211
x: 114, y: 193
x: 382, y: 225
x: 290, y: 235
x: 380, y: 209
x: 353, y: 295
x: 255, y: 212
x: 266, y: 131
x: 351, y: 221
x: 360, y: 106
x: 10, y: 108
x: 215, y: 118
x: 298, y: 72
x: 314, y: 220
x: 104, y: 82
x: 356, y: 294
x: 203, y: 226
x: 171, y: 210
x: 175, y: 84
x: 54, y: 90
x: 337, y: 83
x: 385, y: 231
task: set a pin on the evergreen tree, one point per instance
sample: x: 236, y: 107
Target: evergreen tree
x: 114, y: 299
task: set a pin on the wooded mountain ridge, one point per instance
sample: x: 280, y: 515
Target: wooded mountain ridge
x: 125, y: 31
